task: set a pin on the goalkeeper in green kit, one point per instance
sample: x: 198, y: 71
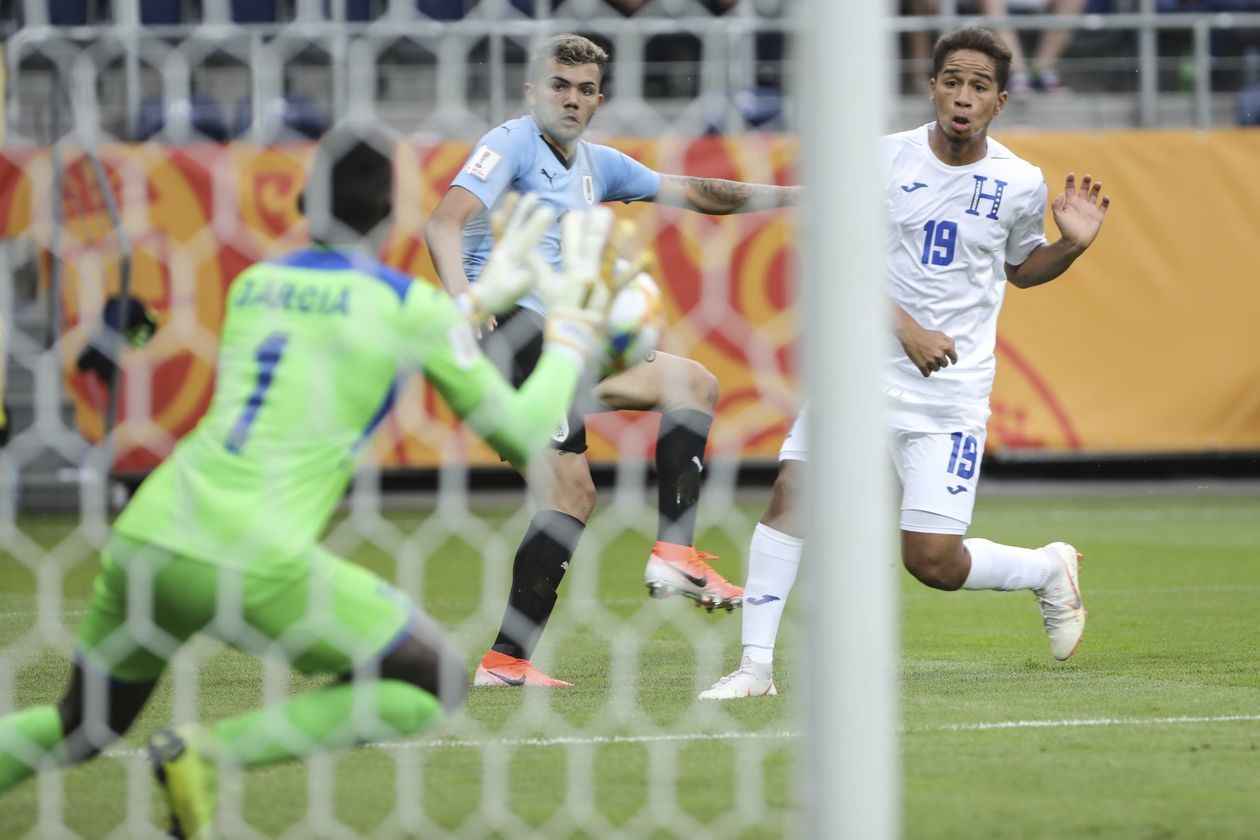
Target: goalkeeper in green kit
x: 223, y: 537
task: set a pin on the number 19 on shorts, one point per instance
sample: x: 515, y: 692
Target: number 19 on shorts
x: 962, y: 458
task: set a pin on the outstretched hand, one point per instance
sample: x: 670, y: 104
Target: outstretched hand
x: 1078, y: 212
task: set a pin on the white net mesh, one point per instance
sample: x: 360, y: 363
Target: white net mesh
x: 144, y: 108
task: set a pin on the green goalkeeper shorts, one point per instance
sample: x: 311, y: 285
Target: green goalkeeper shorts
x: 323, y: 616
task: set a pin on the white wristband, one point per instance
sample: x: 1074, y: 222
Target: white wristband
x: 575, y: 337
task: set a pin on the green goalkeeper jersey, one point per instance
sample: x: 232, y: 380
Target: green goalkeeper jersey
x: 312, y: 352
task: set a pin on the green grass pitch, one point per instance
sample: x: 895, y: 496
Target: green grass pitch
x: 1151, y: 731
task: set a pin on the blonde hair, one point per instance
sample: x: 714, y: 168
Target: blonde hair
x: 570, y: 50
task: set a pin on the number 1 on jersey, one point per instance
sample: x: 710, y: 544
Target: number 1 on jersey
x: 268, y: 356
x: 938, y: 244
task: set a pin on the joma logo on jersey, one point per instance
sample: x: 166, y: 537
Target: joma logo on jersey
x: 978, y: 194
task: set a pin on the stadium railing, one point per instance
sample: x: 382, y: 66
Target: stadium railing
x: 1193, y: 69
x: 464, y: 74
x: 455, y: 77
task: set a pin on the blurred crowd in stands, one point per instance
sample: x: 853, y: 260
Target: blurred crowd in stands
x: 169, y: 12
x: 1049, y: 61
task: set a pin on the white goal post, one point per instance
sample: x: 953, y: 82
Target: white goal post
x: 851, y: 775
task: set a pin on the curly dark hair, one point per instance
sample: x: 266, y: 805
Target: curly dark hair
x: 977, y: 39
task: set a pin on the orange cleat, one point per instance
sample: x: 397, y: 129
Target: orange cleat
x: 499, y: 669
x: 681, y: 570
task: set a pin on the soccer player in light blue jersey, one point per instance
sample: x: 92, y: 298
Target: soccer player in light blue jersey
x: 543, y: 152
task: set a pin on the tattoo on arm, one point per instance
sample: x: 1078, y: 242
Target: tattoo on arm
x: 727, y: 195
x: 720, y: 197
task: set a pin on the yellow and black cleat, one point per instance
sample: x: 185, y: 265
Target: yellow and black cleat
x: 189, y: 777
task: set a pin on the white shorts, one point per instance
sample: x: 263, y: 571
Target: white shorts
x: 795, y: 446
x: 939, y: 472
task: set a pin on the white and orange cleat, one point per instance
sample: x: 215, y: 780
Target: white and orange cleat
x: 1060, y: 601
x: 499, y: 669
x: 681, y: 570
x: 750, y: 680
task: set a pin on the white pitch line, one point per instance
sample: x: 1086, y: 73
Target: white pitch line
x: 772, y: 735
x: 460, y: 605
x: 558, y: 741
x: 565, y: 740
x: 1063, y: 724
x: 63, y: 614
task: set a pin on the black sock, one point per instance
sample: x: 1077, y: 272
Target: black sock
x: 679, y: 463
x: 540, y: 564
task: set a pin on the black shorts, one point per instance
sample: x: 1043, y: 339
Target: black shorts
x: 514, y: 347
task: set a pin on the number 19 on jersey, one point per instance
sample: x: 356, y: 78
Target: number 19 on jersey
x: 939, y: 242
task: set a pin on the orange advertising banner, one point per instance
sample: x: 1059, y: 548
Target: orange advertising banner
x: 197, y: 215
x: 1139, y: 348
x: 1145, y: 344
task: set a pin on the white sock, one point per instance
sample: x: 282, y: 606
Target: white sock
x: 773, y: 558
x: 1006, y: 567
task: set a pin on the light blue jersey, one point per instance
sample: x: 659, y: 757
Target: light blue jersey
x: 514, y: 157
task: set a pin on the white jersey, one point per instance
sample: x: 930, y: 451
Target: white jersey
x: 951, y: 231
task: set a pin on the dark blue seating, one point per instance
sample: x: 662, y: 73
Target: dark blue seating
x: 359, y: 10
x: 161, y: 12
x: 68, y: 12
x: 356, y: 10
x: 456, y: 9
x: 761, y: 106
x: 205, y: 116
x: 254, y: 11
x: 442, y: 9
x: 1208, y: 6
x: 297, y: 114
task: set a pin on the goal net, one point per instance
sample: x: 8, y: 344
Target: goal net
x: 154, y: 151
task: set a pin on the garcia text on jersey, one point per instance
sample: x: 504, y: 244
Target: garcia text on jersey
x: 318, y: 299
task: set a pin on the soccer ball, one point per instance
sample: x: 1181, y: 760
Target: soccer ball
x: 634, y: 323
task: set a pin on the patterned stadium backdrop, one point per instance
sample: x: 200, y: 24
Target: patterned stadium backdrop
x: 1140, y: 349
